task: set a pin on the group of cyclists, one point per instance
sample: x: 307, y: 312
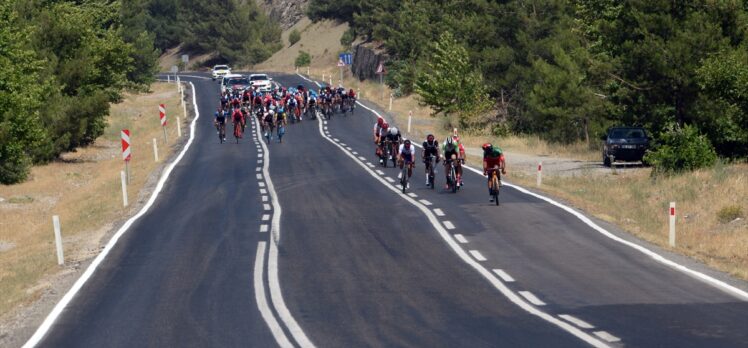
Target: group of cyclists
x: 275, y: 108
x: 391, y: 146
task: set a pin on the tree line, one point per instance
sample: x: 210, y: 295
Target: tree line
x: 568, y: 69
x: 64, y: 62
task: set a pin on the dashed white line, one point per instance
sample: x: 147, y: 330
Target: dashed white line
x: 532, y: 298
x: 379, y: 172
x: 258, y: 169
x: 362, y: 158
x: 264, y: 198
x: 263, y: 191
x: 460, y: 238
x: 259, y: 154
x: 348, y: 148
x: 336, y: 139
x: 412, y: 195
x: 355, y: 153
x: 477, y: 255
x: 449, y: 225
x: 369, y: 164
x: 438, y: 212
x: 266, y: 206
x: 391, y: 180
x: 606, y: 336
x: 503, y: 275
x: 425, y: 202
x: 262, y: 184
x: 259, y: 161
x: 264, y: 228
x: 576, y: 321
x: 259, y: 176
x: 265, y: 217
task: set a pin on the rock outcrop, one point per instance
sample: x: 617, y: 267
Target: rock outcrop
x: 365, y: 61
x: 286, y: 12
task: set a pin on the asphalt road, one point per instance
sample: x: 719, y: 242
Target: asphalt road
x: 359, y: 264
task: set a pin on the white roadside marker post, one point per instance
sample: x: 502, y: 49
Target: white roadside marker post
x: 410, y: 119
x: 307, y: 70
x: 390, y: 102
x: 168, y: 78
x: 123, y: 177
x: 58, y: 240
x: 672, y: 224
x: 155, y: 150
x: 179, y: 128
x: 178, y: 83
x: 540, y: 173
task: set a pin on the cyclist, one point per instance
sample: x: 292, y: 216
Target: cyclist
x: 492, y: 157
x: 451, y: 154
x: 406, y: 154
x: 280, y: 124
x: 378, y: 129
x: 267, y: 121
x: 461, y: 149
x: 430, y: 148
x: 395, y: 138
x: 237, y: 117
x: 220, y: 122
x: 384, y: 129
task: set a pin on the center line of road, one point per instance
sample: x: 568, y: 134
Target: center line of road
x: 264, y: 198
x: 264, y: 228
x: 265, y: 217
x: 503, y: 275
x: 379, y: 172
x: 438, y: 212
x: 266, y: 206
x: 262, y: 302
x: 532, y: 298
x: 412, y: 194
x: 576, y: 321
x: 477, y: 255
x: 460, y: 238
x: 606, y: 336
x: 262, y: 184
x: 391, y: 180
x: 449, y: 225
x: 263, y: 191
x: 355, y: 153
x: 425, y: 202
x: 362, y: 158
x: 259, y: 176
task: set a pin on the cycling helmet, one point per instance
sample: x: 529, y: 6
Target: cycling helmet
x: 394, y: 131
x: 430, y: 138
x: 271, y: 112
x: 380, y: 121
x: 487, y: 147
x: 449, y: 141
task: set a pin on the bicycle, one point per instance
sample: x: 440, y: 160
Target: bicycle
x: 452, y: 179
x: 384, y: 155
x: 269, y: 132
x: 430, y: 170
x: 237, y: 131
x: 404, y: 175
x: 221, y: 127
x: 395, y: 148
x: 494, y: 184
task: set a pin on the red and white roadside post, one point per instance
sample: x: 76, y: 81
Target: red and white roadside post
x: 162, y: 116
x: 540, y: 173
x: 125, y: 175
x: 672, y: 224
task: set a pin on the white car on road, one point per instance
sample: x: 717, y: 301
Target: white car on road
x: 261, y: 82
x: 220, y: 71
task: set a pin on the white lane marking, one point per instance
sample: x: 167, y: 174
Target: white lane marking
x: 606, y: 336
x: 336, y: 139
x: 425, y: 202
x: 196, y: 77
x: 266, y: 206
x: 343, y: 144
x: 258, y: 169
x: 324, y: 122
x: 348, y: 148
x: 413, y: 195
x: 263, y: 228
x: 369, y: 164
x: 265, y: 217
x: 391, y: 180
x: 60, y: 306
x: 379, y: 172
x: 276, y: 296
x: 259, y: 154
x: 259, y: 161
x: 362, y: 158
x: 477, y: 255
x: 261, y: 298
x: 449, y: 225
x: 264, y: 198
x: 355, y: 153
x: 262, y: 184
x: 438, y: 212
x: 462, y: 254
x: 460, y: 238
x: 259, y: 176
x: 325, y: 127
x: 532, y: 298
x: 576, y: 321
x: 503, y: 275
x: 263, y: 191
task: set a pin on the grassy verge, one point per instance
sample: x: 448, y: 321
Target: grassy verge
x: 83, y: 188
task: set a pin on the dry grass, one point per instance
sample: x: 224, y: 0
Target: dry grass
x: 84, y: 190
x: 321, y: 40
x: 639, y: 204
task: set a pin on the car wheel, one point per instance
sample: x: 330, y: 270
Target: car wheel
x: 606, y: 160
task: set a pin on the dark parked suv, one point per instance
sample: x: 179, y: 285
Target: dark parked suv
x: 625, y: 144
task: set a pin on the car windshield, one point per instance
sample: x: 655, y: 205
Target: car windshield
x: 627, y: 134
x: 221, y: 67
x: 259, y: 77
x: 238, y: 81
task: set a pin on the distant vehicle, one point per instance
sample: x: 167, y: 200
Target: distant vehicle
x: 625, y: 144
x: 261, y: 82
x: 234, y: 82
x: 220, y: 71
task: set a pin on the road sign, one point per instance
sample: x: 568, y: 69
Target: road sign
x: 381, y: 69
x: 162, y: 114
x: 341, y: 64
x: 346, y: 58
x: 185, y: 58
x: 125, y: 134
x: 174, y: 69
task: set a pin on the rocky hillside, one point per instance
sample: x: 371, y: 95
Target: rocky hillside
x: 286, y: 12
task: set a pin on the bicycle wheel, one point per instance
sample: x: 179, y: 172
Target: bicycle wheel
x: 495, y: 188
x: 404, y: 177
x: 431, y: 176
x: 453, y: 179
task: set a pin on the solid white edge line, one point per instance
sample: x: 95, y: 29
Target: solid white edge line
x: 503, y: 275
x: 738, y: 293
x: 532, y: 298
x: 276, y: 295
x: 462, y: 254
x: 477, y: 255
x: 57, y: 310
x: 576, y: 321
x: 262, y: 302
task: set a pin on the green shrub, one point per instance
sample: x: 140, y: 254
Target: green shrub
x: 348, y: 37
x: 294, y: 37
x: 729, y: 213
x: 680, y: 149
x: 303, y: 59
